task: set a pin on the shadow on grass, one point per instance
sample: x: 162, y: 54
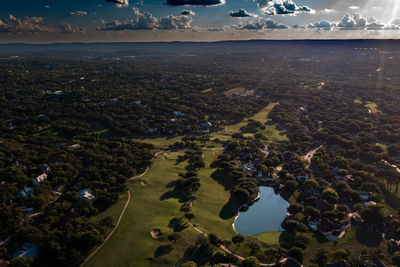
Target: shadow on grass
x: 171, y: 184
x: 177, y: 224
x: 222, y: 179
x: 320, y: 238
x: 286, y: 236
x: 181, y: 196
x: 286, y: 194
x: 163, y: 250
x: 200, y: 256
x: 229, y: 210
x: 368, y: 238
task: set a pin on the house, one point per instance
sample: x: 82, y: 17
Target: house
x: 152, y: 130
x: 337, y: 264
x: 15, y: 164
x: 28, y: 250
x: 312, y: 192
x: 363, y: 195
x: 27, y: 192
x: 375, y: 263
x: 177, y: 113
x: 247, y: 168
x: 26, y: 207
x: 204, y: 130
x: 302, y: 176
x: 335, y: 170
x: 41, y: 116
x: 4, y: 263
x: 369, y: 203
x: 327, y: 227
x: 86, y: 193
x: 137, y: 102
x: 348, y: 179
x: 75, y: 146
x: 40, y: 178
x: 44, y: 167
x: 143, y: 119
x: 323, y: 206
x: 263, y: 176
x: 55, y: 162
x: 287, y: 156
x: 206, y: 125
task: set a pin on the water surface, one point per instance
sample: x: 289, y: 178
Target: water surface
x: 264, y: 215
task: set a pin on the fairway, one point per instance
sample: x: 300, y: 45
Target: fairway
x: 372, y: 106
x: 272, y: 131
x: 153, y: 206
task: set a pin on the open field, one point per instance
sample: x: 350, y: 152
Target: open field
x: 207, y: 90
x: 154, y: 206
x: 113, y: 211
x: 236, y: 90
x: 272, y: 131
x: 372, y: 106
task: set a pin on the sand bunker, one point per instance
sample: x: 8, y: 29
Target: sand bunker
x: 143, y: 183
x: 155, y: 233
x: 164, y: 158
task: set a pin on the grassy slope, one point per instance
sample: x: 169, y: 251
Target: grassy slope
x: 372, y: 106
x: 272, y: 132
x: 151, y: 207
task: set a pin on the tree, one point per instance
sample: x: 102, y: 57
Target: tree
x: 310, y: 183
x: 226, y: 242
x: 296, y: 253
x: 295, y: 208
x: 254, y: 245
x: 322, y: 255
x: 291, y: 185
x: 219, y: 256
x: 202, y: 241
x: 237, y: 240
x: 311, y: 211
x: 251, y: 262
x: 339, y: 255
x: 189, y: 264
x: 272, y: 252
x: 396, y: 258
x: 189, y: 215
x: 214, y: 239
x: 330, y: 195
x: 21, y: 262
x: 174, y: 237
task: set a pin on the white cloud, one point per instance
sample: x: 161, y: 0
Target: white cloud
x: 119, y: 3
x: 354, y: 7
x: 29, y: 25
x: 78, y: 13
x: 66, y: 28
x: 260, y: 24
x: 274, y: 7
x: 146, y: 21
x: 241, y: 13
x: 187, y: 13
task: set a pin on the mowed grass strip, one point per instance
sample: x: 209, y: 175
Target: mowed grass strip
x: 153, y: 206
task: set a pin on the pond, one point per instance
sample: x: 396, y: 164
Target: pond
x: 264, y: 215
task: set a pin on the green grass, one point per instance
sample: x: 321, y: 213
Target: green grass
x: 272, y: 130
x: 372, y: 106
x: 207, y: 90
x: 358, y: 101
x: 154, y: 206
x: 159, y: 141
x: 113, y: 211
x: 236, y: 90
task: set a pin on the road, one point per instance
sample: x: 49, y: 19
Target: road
x: 311, y: 153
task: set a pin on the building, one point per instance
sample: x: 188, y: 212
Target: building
x: 75, y: 146
x: 363, y: 195
x: 26, y: 207
x: 263, y: 176
x: 28, y: 250
x: 247, y: 168
x: 27, y: 192
x: 323, y: 206
x: 302, y: 176
x: 40, y: 178
x: 44, y: 167
x: 4, y: 263
x: 337, y: 264
x: 327, y: 227
x: 375, y: 263
x: 312, y: 192
x: 369, y: 203
x: 85, y: 193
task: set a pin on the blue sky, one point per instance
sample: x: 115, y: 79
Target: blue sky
x: 44, y: 21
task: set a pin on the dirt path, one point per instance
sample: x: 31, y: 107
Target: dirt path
x: 146, y: 168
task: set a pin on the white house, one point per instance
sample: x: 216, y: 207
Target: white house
x: 177, y: 113
x: 302, y: 176
x: 363, y: 195
x: 75, y: 146
x: 369, y: 203
x: 85, y: 193
x: 247, y: 168
x: 40, y: 178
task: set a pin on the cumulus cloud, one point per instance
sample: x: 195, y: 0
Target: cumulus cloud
x: 318, y: 32
x: 195, y: 2
x: 241, y: 13
x: 119, y: 3
x: 29, y: 25
x: 140, y: 3
x: 187, y: 13
x: 354, y: 7
x: 146, y: 21
x: 395, y: 22
x: 260, y: 24
x: 349, y: 22
x: 215, y: 29
x: 66, y: 28
x: 275, y: 7
x: 78, y: 13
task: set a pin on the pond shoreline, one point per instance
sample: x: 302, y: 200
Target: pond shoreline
x: 237, y: 213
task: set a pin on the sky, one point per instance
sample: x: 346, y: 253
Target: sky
x: 46, y: 21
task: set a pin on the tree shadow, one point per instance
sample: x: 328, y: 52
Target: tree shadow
x: 286, y: 194
x: 368, y: 238
x: 222, y: 179
x: 230, y: 209
x: 321, y: 239
x: 192, y: 253
x: 170, y: 184
x: 177, y: 224
x: 214, y: 164
x: 163, y: 250
x: 175, y: 194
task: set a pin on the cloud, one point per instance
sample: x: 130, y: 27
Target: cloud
x: 187, y: 13
x: 47, y: 6
x: 78, y: 13
x: 318, y: 32
x: 241, y: 13
x: 195, y: 2
x: 146, y: 21
x: 326, y: 10
x: 349, y: 22
x: 395, y: 22
x: 275, y: 7
x: 29, y: 25
x: 140, y: 3
x: 260, y: 24
x: 66, y: 28
x: 215, y: 29
x: 354, y: 7
x: 119, y: 3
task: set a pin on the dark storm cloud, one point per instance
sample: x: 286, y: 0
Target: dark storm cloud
x: 241, y: 13
x: 195, y: 2
x: 276, y: 7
